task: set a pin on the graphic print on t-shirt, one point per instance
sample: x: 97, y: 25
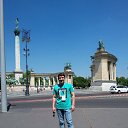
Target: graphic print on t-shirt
x: 62, y: 93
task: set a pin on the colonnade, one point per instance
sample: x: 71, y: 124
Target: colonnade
x: 43, y: 81
x: 47, y: 80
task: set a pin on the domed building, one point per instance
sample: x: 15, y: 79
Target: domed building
x: 103, y: 69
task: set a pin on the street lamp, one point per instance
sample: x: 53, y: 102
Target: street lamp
x: 2, y: 60
x: 26, y: 38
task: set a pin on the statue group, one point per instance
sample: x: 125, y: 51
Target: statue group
x: 101, y: 45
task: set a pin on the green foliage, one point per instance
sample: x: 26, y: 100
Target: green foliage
x: 122, y: 81
x: 10, y: 80
x: 36, y: 82
x: 23, y: 79
x: 41, y: 81
x: 81, y: 82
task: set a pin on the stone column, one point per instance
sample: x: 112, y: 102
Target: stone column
x: 108, y: 66
x: 111, y: 71
x: 44, y: 82
x: 53, y: 80
x: 18, y: 72
x: 17, y: 53
x: 57, y: 80
x: 49, y: 81
x: 114, y: 73
x: 39, y: 82
x: 32, y: 82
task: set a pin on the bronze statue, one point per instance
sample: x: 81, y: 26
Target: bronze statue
x: 68, y: 66
x: 17, y: 31
x: 17, y: 23
x: 101, y: 45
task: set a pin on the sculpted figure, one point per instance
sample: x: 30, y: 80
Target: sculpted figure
x: 17, y: 23
x: 101, y: 45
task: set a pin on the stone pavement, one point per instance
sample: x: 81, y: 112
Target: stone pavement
x: 82, y: 117
x: 48, y: 92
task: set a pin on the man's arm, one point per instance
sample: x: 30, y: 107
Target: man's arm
x: 73, y: 101
x: 53, y: 103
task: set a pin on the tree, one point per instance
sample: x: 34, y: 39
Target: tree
x: 81, y: 82
x: 10, y: 80
x: 122, y: 81
x: 22, y: 80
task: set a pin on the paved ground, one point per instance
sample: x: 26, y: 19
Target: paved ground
x: 49, y: 92
x: 82, y: 117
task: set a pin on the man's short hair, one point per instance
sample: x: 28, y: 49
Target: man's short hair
x: 61, y: 74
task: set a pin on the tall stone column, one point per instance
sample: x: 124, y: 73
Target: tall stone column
x: 18, y: 72
x: 17, y: 52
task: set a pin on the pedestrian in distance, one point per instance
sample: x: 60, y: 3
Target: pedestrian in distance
x: 63, y: 101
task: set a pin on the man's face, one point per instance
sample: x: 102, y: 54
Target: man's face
x: 61, y: 79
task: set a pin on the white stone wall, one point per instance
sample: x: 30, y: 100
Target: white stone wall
x: 106, y: 86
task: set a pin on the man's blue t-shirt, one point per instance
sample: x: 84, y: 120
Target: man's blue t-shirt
x: 63, y: 95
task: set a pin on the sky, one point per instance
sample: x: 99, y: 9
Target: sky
x: 67, y: 31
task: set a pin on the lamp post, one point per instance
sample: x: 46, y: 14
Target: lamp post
x: 2, y: 60
x: 26, y: 39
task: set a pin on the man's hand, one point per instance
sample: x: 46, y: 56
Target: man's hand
x: 73, y: 101
x: 54, y: 109
x: 53, y: 103
x: 73, y: 108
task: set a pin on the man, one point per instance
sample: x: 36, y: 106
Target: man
x: 63, y: 101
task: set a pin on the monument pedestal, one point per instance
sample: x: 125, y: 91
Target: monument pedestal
x: 102, y: 85
x: 18, y: 75
x: 103, y: 69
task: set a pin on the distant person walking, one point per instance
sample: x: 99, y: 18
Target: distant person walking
x: 63, y: 101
